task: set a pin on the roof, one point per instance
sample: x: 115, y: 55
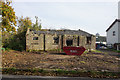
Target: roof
x: 66, y: 31
x: 101, y: 39
x: 117, y: 20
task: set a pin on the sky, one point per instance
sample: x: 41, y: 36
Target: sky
x: 93, y: 16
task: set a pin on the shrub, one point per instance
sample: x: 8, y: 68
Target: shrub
x: 118, y: 51
x: 15, y: 42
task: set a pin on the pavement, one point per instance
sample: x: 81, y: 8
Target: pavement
x: 21, y: 77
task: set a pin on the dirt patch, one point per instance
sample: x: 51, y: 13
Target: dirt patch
x: 87, y: 61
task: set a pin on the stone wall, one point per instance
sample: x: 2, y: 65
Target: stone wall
x: 47, y: 41
x: 34, y: 44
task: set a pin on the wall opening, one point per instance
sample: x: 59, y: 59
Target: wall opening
x: 78, y: 41
x: 56, y: 40
x: 62, y: 41
x: 69, y: 42
x: 88, y: 40
x: 44, y: 42
x: 35, y: 38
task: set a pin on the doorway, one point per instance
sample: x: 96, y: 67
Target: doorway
x: 69, y: 42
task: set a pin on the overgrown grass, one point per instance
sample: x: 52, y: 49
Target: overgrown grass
x: 57, y: 50
x: 61, y: 72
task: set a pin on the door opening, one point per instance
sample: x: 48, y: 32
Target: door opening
x: 69, y: 42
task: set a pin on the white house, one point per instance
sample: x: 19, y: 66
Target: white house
x: 113, y: 34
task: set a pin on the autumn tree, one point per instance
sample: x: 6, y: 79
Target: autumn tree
x: 8, y: 17
x: 8, y: 21
x: 0, y: 7
x: 18, y: 42
x: 24, y: 24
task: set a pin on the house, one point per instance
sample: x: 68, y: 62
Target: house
x: 56, y: 39
x: 113, y: 35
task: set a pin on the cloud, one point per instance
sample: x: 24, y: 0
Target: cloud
x: 92, y: 17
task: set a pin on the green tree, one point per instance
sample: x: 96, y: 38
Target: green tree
x: 37, y: 25
x: 8, y: 17
x: 18, y: 42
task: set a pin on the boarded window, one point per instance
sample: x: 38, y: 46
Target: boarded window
x: 69, y: 42
x: 56, y: 40
x: 88, y: 40
x: 35, y: 38
x: 113, y: 33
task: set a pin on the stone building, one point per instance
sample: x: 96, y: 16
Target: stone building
x: 56, y: 39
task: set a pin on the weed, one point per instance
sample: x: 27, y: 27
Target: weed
x: 82, y: 61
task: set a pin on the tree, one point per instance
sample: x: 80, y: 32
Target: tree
x: 0, y: 7
x: 8, y: 17
x: 18, y: 41
x: 24, y: 24
x: 37, y: 25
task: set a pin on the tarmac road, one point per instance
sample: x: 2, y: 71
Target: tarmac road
x: 21, y: 77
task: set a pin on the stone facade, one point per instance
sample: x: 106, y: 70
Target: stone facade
x: 56, y: 39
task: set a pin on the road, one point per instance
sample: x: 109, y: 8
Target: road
x: 21, y: 77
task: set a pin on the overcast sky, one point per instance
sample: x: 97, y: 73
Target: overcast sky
x: 93, y: 17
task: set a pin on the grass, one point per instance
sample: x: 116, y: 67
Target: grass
x: 60, y: 72
x: 118, y: 51
x: 82, y: 61
x: 95, y: 51
x: 43, y: 50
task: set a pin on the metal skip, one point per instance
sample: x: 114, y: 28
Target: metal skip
x: 73, y: 50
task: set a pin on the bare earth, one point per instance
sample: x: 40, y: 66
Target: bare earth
x: 52, y: 60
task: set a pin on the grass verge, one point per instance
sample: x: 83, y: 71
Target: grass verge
x: 118, y: 51
x: 60, y: 72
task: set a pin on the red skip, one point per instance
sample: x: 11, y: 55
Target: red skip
x: 73, y: 50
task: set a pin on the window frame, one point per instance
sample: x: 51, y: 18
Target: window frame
x: 113, y: 33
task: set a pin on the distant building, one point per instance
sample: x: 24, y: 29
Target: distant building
x: 113, y: 34
x: 56, y: 39
x: 100, y: 42
x: 101, y: 39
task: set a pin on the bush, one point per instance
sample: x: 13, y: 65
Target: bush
x: 16, y: 42
x: 118, y: 51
